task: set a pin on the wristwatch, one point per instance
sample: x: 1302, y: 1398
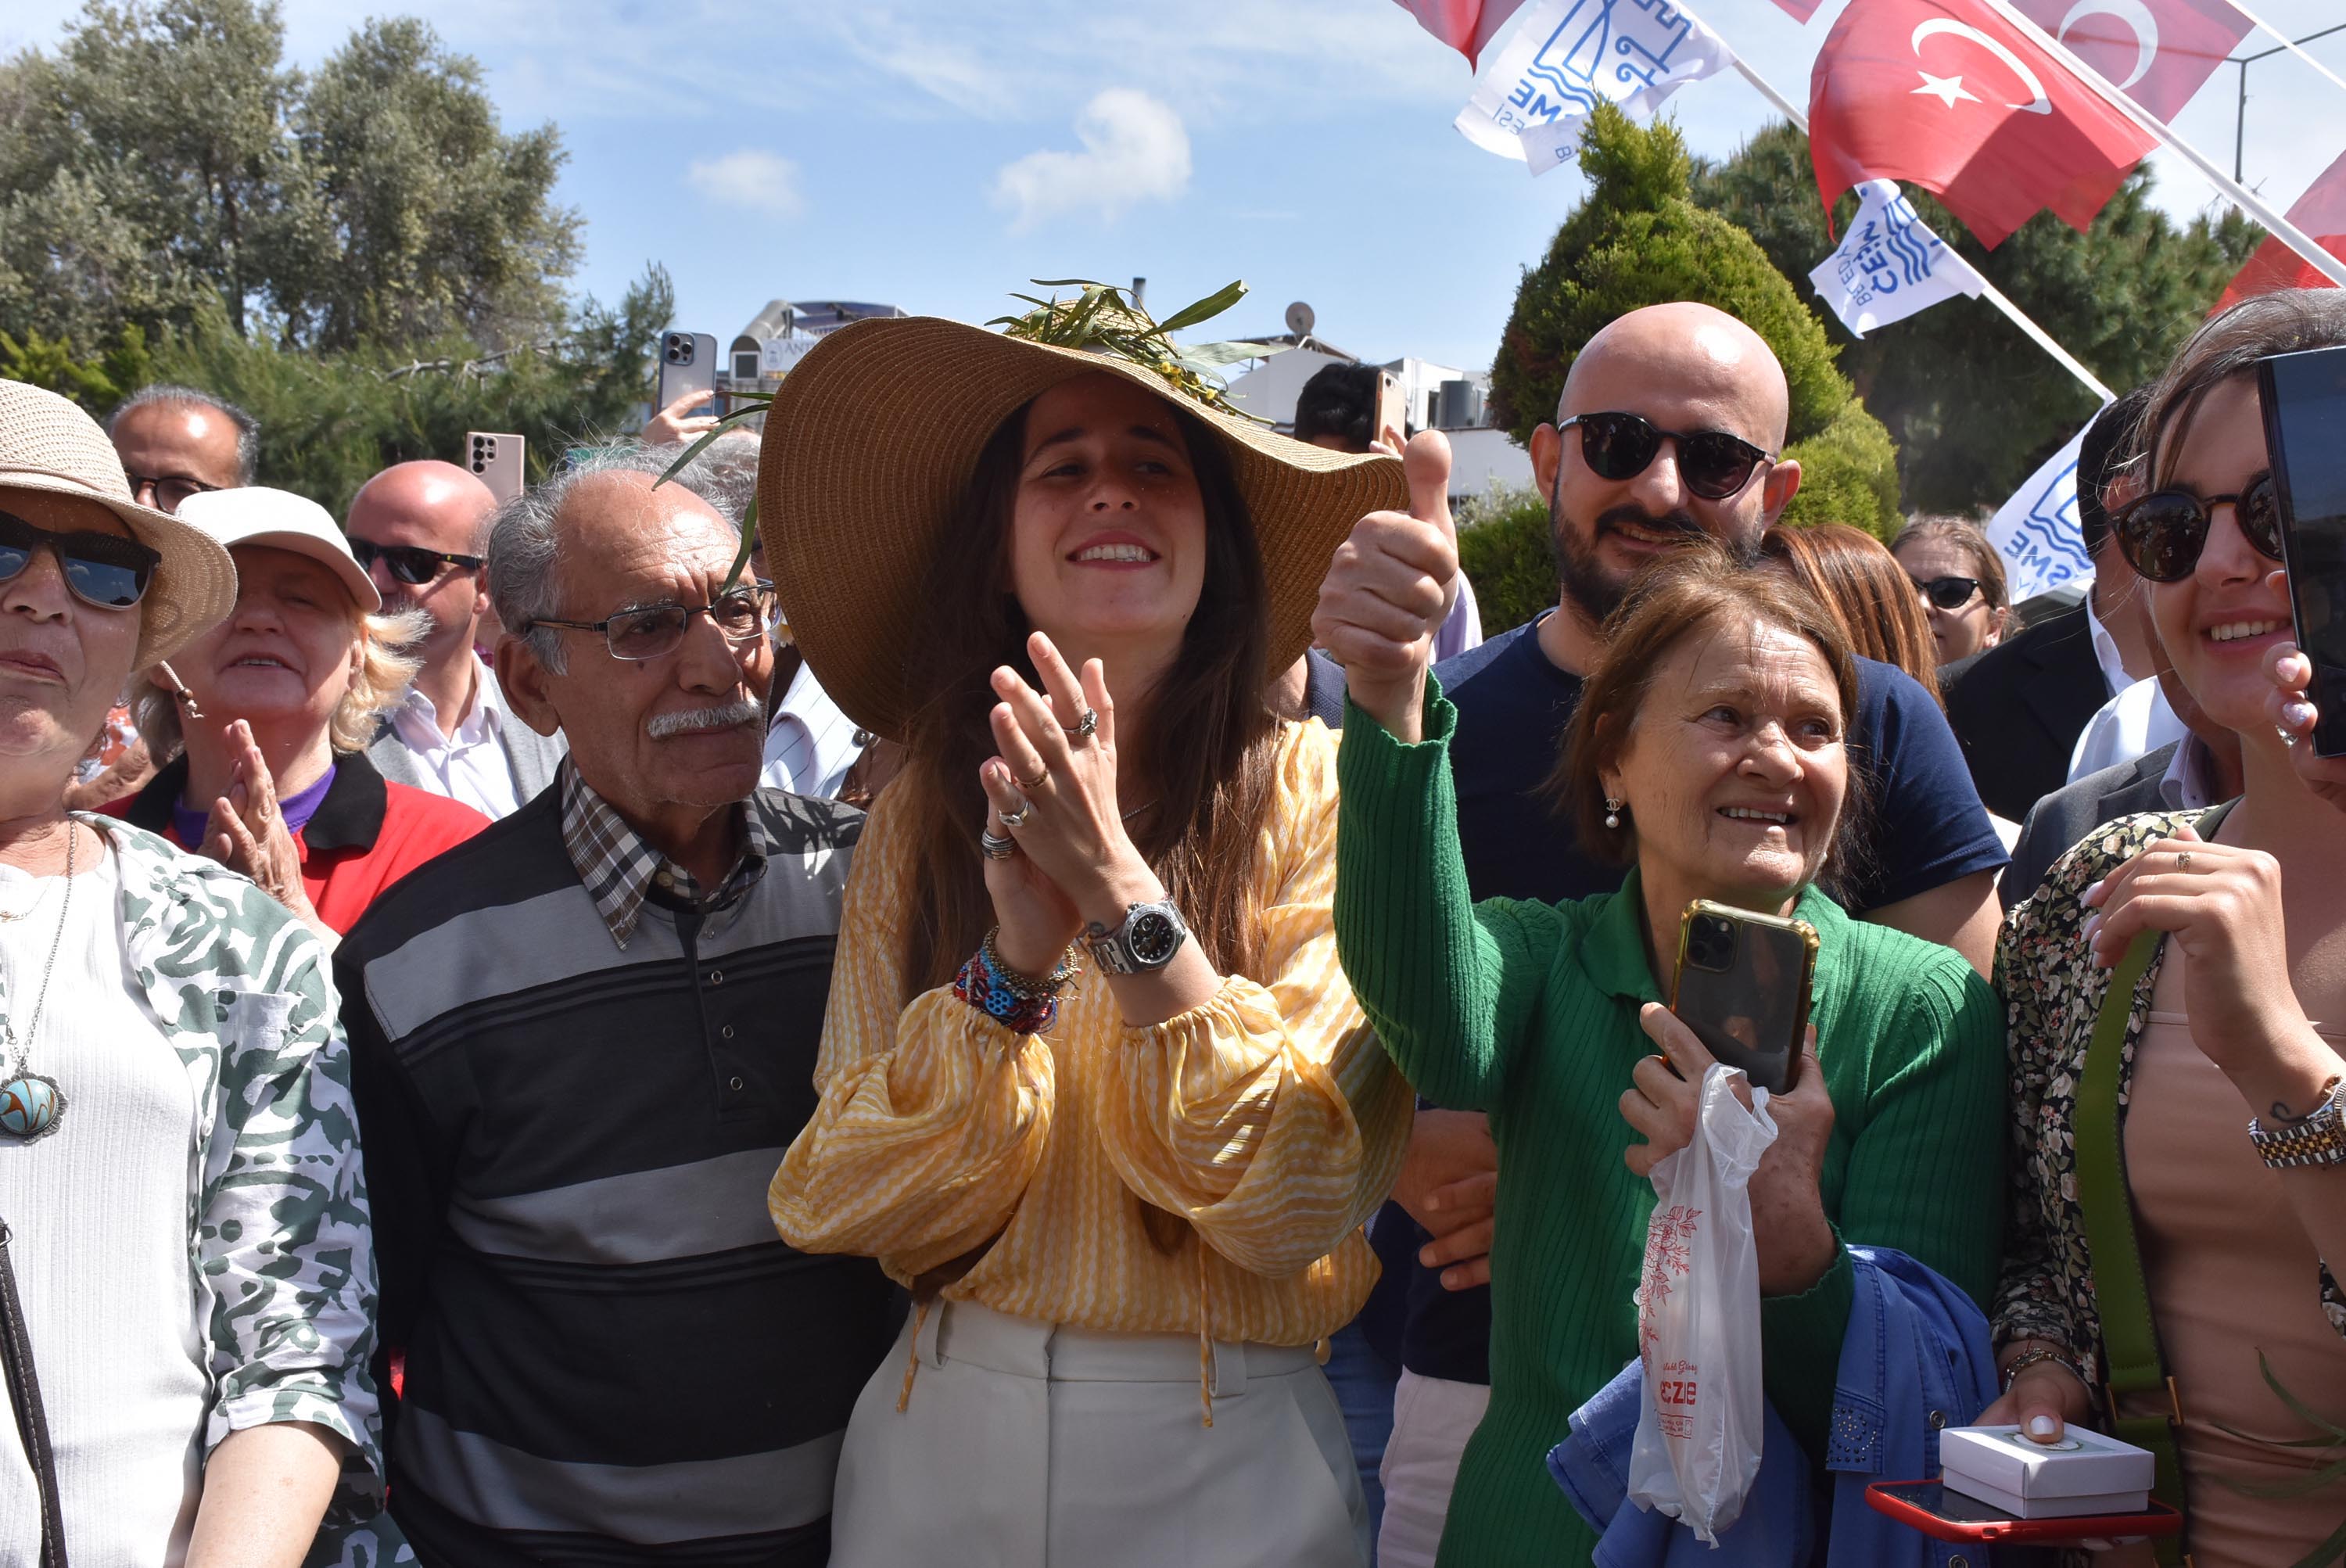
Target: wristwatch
x: 1142, y: 941
x: 2318, y: 1139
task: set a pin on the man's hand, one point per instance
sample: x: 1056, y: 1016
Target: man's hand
x: 1387, y: 591
x: 1449, y: 1184
x: 672, y: 425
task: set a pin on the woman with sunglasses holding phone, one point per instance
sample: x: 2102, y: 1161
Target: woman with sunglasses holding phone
x: 1959, y: 577
x: 2229, y: 1072
x: 260, y: 724
x: 187, y: 1278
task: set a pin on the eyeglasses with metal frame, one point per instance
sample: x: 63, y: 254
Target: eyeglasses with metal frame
x: 408, y: 564
x: 651, y: 630
x: 1619, y: 446
x: 105, y: 571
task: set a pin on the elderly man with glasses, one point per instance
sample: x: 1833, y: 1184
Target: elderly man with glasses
x: 582, y: 1043
x: 419, y: 529
x: 176, y: 442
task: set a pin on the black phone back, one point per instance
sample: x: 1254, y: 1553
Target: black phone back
x: 2304, y: 398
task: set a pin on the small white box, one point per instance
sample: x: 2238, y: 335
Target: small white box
x: 2084, y: 1474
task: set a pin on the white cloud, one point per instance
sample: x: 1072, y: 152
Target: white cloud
x: 761, y: 181
x: 1134, y: 150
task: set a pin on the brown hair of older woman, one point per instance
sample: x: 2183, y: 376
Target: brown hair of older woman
x: 1699, y: 590
x: 1858, y: 580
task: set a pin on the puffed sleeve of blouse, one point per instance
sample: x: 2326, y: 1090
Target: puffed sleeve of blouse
x: 933, y: 1117
x: 282, y: 1238
x: 1267, y: 1116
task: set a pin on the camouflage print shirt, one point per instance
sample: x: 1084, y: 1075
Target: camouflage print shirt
x: 280, y: 1245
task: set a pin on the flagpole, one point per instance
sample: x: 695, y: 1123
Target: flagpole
x: 2281, y: 227
x: 1988, y: 291
x: 2287, y: 43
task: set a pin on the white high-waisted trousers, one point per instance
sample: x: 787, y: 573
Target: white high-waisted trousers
x: 1030, y: 1445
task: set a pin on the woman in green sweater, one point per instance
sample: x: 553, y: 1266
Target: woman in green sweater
x: 1708, y: 754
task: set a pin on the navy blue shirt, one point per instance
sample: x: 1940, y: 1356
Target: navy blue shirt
x: 1924, y: 828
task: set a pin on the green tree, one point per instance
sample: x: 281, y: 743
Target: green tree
x: 1637, y: 239
x: 1973, y: 404
x: 1507, y: 551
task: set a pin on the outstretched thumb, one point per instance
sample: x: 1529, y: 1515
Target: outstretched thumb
x: 1425, y: 463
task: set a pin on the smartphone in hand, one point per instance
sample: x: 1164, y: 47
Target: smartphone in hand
x: 2304, y: 398
x: 688, y: 364
x: 496, y: 458
x: 1742, y: 986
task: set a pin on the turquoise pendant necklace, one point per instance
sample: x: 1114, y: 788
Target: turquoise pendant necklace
x: 31, y: 1103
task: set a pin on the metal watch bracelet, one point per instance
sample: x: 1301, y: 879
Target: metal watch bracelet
x: 2318, y: 1140
x: 2039, y: 1356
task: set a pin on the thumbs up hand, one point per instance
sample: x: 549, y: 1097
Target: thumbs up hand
x: 1387, y: 591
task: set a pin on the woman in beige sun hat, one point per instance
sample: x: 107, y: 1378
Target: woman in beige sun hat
x: 185, y: 1284
x: 1062, y: 578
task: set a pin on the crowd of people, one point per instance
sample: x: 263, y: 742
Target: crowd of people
x: 1077, y: 1012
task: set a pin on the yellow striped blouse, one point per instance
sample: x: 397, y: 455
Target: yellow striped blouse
x: 1269, y: 1118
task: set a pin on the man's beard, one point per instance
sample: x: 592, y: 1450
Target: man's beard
x: 1590, y: 587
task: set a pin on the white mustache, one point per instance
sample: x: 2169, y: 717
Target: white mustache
x: 700, y: 720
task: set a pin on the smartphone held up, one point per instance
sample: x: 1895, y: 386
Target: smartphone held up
x: 2304, y: 399
x: 1742, y: 987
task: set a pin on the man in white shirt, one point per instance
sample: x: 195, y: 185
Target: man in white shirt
x: 418, y: 528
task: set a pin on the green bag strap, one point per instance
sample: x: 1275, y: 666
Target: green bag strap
x: 2129, y: 1332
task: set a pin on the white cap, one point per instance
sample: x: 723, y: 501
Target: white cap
x: 281, y: 521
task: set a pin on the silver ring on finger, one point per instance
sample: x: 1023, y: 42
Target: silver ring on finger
x: 1018, y: 819
x: 996, y: 846
x: 2287, y: 735
x: 1083, y: 730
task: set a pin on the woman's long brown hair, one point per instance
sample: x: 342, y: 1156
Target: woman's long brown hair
x: 1206, y: 743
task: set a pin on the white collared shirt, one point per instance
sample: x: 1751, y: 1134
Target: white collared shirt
x: 812, y: 745
x: 470, y: 764
x: 2189, y: 782
x: 2106, y: 651
x: 2136, y: 720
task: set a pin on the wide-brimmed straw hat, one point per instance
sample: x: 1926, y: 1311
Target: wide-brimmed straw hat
x: 49, y: 444
x: 874, y: 438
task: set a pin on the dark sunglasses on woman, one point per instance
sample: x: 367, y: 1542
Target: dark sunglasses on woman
x: 2162, y: 535
x: 105, y: 570
x: 1619, y: 446
x: 1947, y: 592
x: 408, y: 564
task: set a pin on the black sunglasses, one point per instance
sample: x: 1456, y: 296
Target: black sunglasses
x: 1947, y: 592
x: 1617, y: 446
x: 2162, y: 535
x: 105, y: 570
x: 409, y: 564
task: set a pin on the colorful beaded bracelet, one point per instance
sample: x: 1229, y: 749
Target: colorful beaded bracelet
x: 1020, y: 1003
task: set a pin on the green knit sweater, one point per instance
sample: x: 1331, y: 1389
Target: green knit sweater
x: 1529, y: 1010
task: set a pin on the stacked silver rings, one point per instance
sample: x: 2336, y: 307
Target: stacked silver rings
x: 996, y: 846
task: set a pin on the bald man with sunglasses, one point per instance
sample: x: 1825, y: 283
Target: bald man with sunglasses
x: 417, y: 528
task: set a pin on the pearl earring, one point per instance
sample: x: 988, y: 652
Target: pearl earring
x: 1612, y: 812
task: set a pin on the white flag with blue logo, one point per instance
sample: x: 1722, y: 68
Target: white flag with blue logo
x: 1890, y: 265
x: 2038, y: 531
x: 1566, y: 56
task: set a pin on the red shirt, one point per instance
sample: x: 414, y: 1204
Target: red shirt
x: 366, y: 834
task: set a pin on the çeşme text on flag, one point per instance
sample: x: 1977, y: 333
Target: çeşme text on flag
x: 1569, y: 55
x: 1889, y: 264
x: 2038, y: 532
x: 1950, y: 96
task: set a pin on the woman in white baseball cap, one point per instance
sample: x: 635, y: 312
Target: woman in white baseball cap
x: 186, y: 1280
x: 260, y: 726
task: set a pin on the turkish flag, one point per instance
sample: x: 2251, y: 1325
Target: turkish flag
x: 1799, y: 10
x: 1467, y: 26
x: 2157, y: 52
x: 2321, y: 213
x: 1949, y: 94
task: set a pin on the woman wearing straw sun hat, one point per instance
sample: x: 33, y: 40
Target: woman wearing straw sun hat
x: 1060, y: 574
x: 186, y: 1286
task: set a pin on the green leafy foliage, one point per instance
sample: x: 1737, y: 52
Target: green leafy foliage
x: 1106, y: 319
x: 1972, y: 404
x: 1505, y: 550
x: 1638, y: 239
x: 163, y: 168
x: 1849, y: 473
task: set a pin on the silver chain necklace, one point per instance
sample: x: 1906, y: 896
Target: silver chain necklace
x: 31, y: 1103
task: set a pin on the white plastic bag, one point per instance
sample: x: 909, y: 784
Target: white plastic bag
x: 1698, y: 1445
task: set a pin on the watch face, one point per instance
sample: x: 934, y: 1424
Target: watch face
x: 1153, y: 938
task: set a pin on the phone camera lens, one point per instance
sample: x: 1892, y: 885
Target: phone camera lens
x: 1710, y: 944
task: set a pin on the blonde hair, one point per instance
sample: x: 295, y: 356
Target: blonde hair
x: 386, y: 665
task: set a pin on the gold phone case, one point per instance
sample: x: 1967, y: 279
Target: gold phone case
x: 1742, y: 986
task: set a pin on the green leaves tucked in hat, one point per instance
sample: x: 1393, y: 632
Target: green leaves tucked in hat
x: 1105, y: 319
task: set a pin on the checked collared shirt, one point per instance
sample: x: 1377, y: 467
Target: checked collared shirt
x: 621, y: 870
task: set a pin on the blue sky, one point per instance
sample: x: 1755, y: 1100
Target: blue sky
x: 938, y: 155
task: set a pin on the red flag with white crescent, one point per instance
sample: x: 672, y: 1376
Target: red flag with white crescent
x: 2321, y: 215
x: 2157, y: 52
x: 1949, y: 94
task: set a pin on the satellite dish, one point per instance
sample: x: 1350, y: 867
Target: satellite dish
x: 1299, y: 319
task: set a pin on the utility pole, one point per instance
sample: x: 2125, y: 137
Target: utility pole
x: 2240, y: 120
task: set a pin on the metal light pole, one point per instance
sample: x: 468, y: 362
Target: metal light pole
x: 2240, y: 121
